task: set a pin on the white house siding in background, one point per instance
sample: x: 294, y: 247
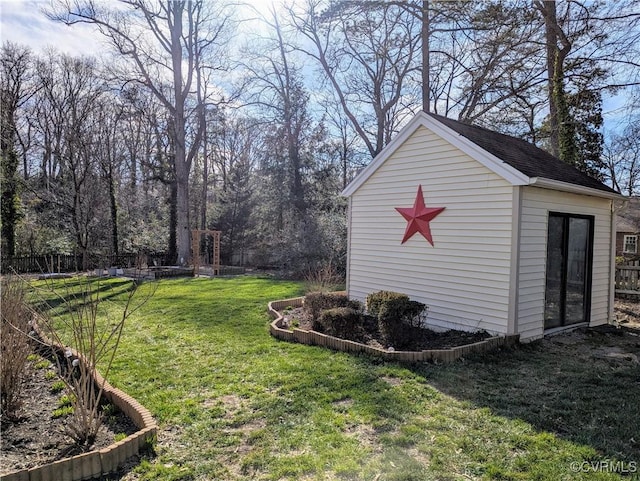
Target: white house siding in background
x: 465, y: 277
x: 535, y: 208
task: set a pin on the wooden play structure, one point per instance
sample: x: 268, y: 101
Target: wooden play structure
x: 205, y: 254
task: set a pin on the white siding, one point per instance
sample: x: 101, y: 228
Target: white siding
x: 464, y: 278
x: 536, y: 205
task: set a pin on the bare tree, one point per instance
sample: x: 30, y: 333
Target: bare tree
x: 345, y: 141
x: 367, y: 56
x: 283, y: 101
x: 163, y: 43
x: 233, y: 152
x: 72, y: 92
x: 622, y: 159
x: 590, y: 47
x: 110, y: 151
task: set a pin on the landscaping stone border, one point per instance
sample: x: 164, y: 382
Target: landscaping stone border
x: 95, y: 464
x: 313, y: 338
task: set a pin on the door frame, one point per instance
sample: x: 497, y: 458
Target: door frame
x: 566, y: 216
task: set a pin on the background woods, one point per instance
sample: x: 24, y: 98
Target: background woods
x: 203, y: 115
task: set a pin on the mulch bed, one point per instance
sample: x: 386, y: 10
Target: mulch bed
x: 35, y: 438
x: 420, y: 339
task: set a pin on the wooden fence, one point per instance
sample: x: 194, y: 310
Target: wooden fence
x: 628, y: 278
x: 73, y: 263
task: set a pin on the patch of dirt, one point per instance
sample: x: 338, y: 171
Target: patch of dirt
x: 420, y: 339
x: 616, y: 353
x: 392, y: 381
x: 617, y: 343
x: 232, y: 404
x: 366, y: 435
x: 36, y: 437
x: 627, y: 313
x: 343, y: 404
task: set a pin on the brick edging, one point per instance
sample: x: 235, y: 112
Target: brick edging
x: 97, y: 463
x: 313, y: 338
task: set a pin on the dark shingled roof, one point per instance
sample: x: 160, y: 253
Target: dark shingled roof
x: 523, y: 156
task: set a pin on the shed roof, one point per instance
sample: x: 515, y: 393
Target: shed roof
x: 516, y: 160
x: 522, y: 155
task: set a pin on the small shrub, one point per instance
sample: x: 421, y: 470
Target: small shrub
x: 50, y: 375
x: 397, y: 315
x: 407, y: 312
x: 341, y: 322
x: 377, y: 300
x: 119, y: 437
x: 316, y: 302
x: 14, y: 344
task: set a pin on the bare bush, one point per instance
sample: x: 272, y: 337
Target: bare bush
x: 88, y: 334
x: 14, y: 344
x: 325, y: 279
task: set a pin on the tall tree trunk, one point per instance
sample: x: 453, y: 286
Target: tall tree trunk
x: 292, y: 125
x: 8, y: 169
x: 566, y: 132
x: 205, y: 178
x: 183, y: 234
x: 9, y: 201
x: 76, y: 214
x: 172, y: 252
x: 550, y: 22
x: 183, y: 238
x: 558, y: 48
x: 114, y: 214
x: 344, y: 154
x: 424, y: 34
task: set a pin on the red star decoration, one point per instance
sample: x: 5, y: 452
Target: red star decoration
x: 418, y: 217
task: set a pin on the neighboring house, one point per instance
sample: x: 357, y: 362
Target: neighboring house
x: 628, y: 229
x: 488, y: 230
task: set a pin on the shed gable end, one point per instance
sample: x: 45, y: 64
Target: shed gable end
x: 471, y: 237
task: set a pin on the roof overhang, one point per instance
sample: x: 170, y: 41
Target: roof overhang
x: 573, y: 188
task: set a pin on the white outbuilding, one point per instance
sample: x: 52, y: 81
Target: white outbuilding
x: 489, y: 231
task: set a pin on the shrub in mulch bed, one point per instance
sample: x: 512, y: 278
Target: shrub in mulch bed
x: 316, y: 302
x: 399, y: 318
x: 390, y: 320
x: 339, y: 321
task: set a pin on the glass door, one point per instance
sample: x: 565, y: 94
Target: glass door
x: 568, y: 282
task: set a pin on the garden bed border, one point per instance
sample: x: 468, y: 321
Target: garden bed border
x: 97, y: 463
x: 313, y: 338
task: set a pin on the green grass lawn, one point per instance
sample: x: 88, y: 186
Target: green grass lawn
x: 233, y: 403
